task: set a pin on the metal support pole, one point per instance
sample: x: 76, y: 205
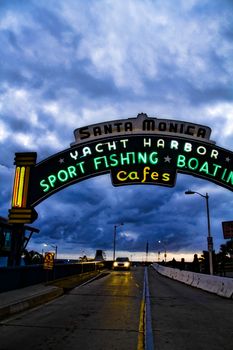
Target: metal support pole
x: 114, y: 239
x: 209, y: 238
x: 114, y: 242
x: 17, y: 243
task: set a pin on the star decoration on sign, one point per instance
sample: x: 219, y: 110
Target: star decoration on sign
x: 228, y: 159
x: 61, y: 160
x: 167, y: 159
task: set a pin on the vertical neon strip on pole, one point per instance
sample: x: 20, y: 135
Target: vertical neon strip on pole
x: 19, y: 197
x: 20, y: 188
x: 21, y: 211
x: 25, y: 188
x: 16, y: 184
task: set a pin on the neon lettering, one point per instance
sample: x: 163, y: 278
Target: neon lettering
x: 86, y: 151
x: 187, y: 147
x: 98, y: 149
x: 180, y: 161
x: 230, y: 177
x: 52, y: 179
x: 160, y: 143
x: 201, y: 150
x: 216, y: 166
x: 126, y: 159
x: 113, y: 159
x: 166, y: 177
x: 62, y: 175
x: 124, y: 142
x: 45, y: 186
x: 145, y: 173
x: 193, y: 163
x: 174, y: 144
x: 153, y: 158
x: 155, y: 176
x: 75, y: 155
x: 72, y: 171
x: 146, y: 142
x: 119, y: 175
x: 111, y: 146
x: 204, y: 168
x: 214, y: 154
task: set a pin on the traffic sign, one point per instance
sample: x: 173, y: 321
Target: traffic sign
x: 227, y: 227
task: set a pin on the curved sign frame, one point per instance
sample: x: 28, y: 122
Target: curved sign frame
x: 139, y: 150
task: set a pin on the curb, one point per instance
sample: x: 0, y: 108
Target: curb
x: 70, y: 282
x: 54, y: 290
x: 30, y: 302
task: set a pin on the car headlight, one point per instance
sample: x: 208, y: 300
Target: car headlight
x: 115, y: 263
x: 126, y: 264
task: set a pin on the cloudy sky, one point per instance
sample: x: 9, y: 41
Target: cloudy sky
x: 68, y: 64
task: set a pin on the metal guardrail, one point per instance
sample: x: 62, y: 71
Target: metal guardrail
x: 24, y: 276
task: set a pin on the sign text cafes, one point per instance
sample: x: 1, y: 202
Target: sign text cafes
x: 138, y: 157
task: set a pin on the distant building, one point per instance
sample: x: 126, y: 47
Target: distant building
x: 100, y: 255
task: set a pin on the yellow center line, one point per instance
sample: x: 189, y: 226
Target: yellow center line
x: 141, y: 327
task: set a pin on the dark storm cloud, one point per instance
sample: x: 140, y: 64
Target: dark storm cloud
x: 69, y: 64
x: 55, y: 77
x: 82, y: 220
x: 79, y: 220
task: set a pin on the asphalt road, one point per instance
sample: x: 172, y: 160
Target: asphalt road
x: 186, y: 318
x: 101, y: 315
x: 105, y: 314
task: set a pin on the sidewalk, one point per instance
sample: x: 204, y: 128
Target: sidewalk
x: 19, y: 300
x: 23, y: 299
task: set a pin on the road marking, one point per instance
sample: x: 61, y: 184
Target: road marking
x: 149, y: 343
x: 141, y: 327
x: 145, y: 334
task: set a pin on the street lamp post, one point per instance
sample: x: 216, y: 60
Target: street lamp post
x: 165, y: 250
x: 209, y: 237
x: 114, y: 239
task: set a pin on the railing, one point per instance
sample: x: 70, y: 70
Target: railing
x: 23, y: 276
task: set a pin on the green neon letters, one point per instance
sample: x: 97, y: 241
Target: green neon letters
x: 140, y: 159
x: 128, y: 158
x: 62, y: 176
x: 208, y: 168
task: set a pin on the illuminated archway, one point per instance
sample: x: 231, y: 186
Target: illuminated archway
x: 138, y: 150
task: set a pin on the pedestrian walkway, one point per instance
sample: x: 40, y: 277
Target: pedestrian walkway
x: 18, y: 300
x: 22, y: 299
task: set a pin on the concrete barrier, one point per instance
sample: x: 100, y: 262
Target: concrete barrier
x: 226, y: 289
x: 182, y: 276
x: 196, y: 280
x: 190, y: 277
x: 211, y: 283
x: 222, y: 286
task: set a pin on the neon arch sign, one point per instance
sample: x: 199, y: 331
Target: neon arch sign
x: 133, y: 151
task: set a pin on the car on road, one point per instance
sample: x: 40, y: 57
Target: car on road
x: 121, y: 263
